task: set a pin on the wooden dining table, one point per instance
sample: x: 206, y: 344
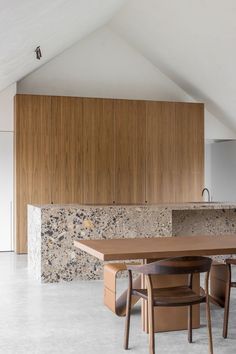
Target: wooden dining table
x: 149, y: 249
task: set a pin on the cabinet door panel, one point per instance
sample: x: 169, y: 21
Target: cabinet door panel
x: 190, y: 137
x: 66, y: 150
x: 161, y: 145
x: 175, y: 152
x: 32, y: 159
x: 189, y: 153
x: 130, y: 127
x: 98, y: 151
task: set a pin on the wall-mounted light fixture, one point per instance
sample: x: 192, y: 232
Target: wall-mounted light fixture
x: 38, y: 53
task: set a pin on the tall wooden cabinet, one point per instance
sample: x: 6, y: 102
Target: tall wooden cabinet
x: 130, y: 151
x: 161, y: 146
x: 32, y: 159
x: 104, y: 151
x: 175, y: 152
x: 98, y: 151
x: 66, y: 149
x: 189, y: 160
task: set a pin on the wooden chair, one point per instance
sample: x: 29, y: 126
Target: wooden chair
x: 175, y: 296
x: 229, y: 285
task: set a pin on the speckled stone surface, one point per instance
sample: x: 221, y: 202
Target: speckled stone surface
x: 34, y: 241
x: 60, y: 226
x: 204, y: 222
x: 52, y: 230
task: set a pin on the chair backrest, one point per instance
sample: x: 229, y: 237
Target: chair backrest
x: 178, y: 265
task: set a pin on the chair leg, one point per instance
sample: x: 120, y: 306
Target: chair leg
x: 227, y: 303
x: 151, y: 328
x: 208, y: 316
x: 127, y: 320
x: 190, y: 324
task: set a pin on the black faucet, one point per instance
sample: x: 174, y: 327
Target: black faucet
x: 208, y: 192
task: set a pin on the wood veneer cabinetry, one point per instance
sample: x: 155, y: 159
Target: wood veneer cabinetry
x: 130, y: 151
x: 48, y: 155
x: 98, y: 151
x: 66, y: 150
x: 32, y: 159
x: 161, y: 146
x: 103, y: 151
x: 175, y: 152
x: 189, y: 160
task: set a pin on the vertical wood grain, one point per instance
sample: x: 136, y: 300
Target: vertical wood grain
x: 66, y: 148
x: 175, y: 152
x: 130, y: 133
x: 160, y: 157
x: 189, y: 152
x: 75, y: 150
x: 32, y: 159
x: 98, y: 151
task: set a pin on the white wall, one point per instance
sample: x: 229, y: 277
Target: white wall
x: 6, y: 191
x: 102, y: 65
x: 208, y: 175
x: 7, y: 108
x: 223, y: 171
x: 215, y: 129
x: 6, y: 167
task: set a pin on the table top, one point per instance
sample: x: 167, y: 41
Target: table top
x: 158, y: 247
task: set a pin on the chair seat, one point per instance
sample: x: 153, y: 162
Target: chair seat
x: 175, y: 296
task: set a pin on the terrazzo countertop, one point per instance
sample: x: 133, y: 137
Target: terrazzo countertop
x: 52, y: 230
x: 171, y: 206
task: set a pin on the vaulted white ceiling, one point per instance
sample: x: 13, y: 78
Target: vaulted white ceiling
x: 53, y: 24
x: 191, y: 41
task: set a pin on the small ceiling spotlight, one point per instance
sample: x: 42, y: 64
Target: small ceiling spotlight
x: 38, y: 53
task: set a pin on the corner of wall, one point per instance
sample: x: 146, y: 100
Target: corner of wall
x: 216, y: 130
x: 7, y: 108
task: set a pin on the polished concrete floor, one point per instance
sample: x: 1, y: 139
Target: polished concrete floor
x: 70, y: 318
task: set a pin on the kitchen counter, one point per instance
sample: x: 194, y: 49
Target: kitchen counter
x: 52, y: 230
x: 172, y: 206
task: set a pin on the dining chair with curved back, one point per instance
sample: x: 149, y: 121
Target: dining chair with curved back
x: 230, y: 284
x: 171, y: 296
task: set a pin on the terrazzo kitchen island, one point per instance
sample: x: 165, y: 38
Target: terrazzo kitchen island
x: 52, y: 230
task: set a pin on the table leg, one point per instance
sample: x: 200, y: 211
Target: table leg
x: 114, y: 303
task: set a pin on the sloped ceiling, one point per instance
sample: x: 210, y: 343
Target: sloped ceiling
x: 102, y: 65
x: 192, y: 42
x: 53, y: 24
